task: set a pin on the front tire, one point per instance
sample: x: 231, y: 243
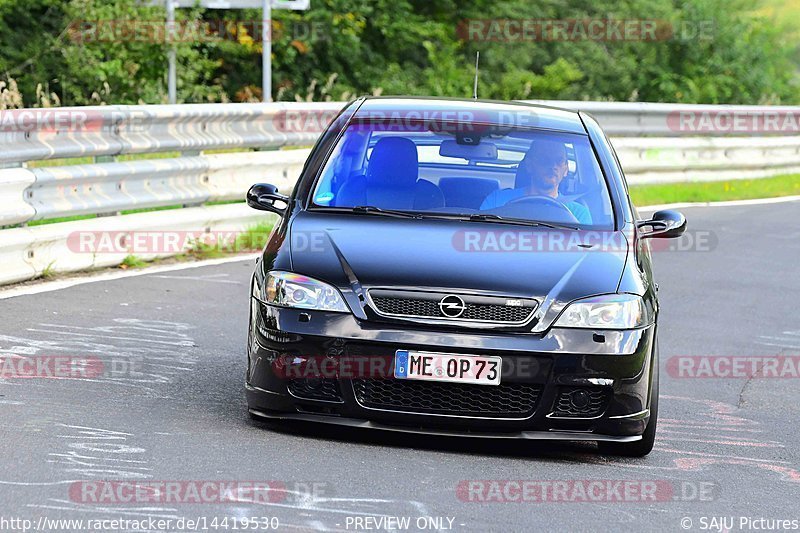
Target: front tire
x: 640, y: 448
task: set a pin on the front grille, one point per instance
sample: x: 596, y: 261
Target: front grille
x: 507, y: 400
x: 407, y: 306
x: 477, y: 308
x: 581, y: 402
x: 315, y: 389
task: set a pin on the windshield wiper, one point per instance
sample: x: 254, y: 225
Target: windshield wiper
x: 490, y: 217
x: 372, y: 210
x: 475, y: 217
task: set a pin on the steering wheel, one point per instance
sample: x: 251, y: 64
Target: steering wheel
x: 547, y: 208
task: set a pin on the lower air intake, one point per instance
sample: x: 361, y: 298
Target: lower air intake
x: 507, y: 400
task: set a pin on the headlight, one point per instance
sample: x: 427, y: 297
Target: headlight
x: 293, y: 290
x: 610, y: 311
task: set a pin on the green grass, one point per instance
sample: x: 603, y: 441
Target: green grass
x: 148, y: 209
x: 253, y: 239
x: 131, y: 261
x: 48, y: 271
x: 86, y: 217
x: 715, y: 191
x: 125, y: 212
x: 60, y: 219
x: 88, y: 160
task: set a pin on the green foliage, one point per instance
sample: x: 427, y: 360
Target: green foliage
x: 715, y: 191
x: 131, y: 261
x: 706, y: 51
x: 522, y: 84
x: 49, y: 271
x: 252, y: 239
x: 255, y: 237
x: 79, y: 51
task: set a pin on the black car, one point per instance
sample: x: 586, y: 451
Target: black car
x: 459, y: 267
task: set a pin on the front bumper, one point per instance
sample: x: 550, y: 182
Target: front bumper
x: 617, y: 365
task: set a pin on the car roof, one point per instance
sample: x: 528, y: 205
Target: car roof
x: 495, y: 113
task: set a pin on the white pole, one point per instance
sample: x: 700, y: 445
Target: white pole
x: 266, y: 46
x: 172, y: 76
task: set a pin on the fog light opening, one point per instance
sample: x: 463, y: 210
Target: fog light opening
x: 579, y: 399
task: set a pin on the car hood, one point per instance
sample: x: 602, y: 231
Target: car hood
x: 552, y: 266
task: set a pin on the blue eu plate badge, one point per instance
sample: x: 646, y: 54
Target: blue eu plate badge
x: 401, y: 364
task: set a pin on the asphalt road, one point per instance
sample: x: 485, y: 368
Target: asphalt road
x: 726, y: 446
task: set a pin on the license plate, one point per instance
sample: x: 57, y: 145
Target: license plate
x: 429, y: 366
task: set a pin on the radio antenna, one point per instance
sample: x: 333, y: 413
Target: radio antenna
x: 477, y: 62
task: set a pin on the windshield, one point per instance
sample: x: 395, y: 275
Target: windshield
x: 511, y: 173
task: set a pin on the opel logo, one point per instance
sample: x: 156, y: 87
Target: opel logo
x: 452, y: 306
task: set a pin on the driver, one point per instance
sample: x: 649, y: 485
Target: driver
x: 544, y: 166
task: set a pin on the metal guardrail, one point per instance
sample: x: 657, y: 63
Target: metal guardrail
x: 109, y: 132
x: 59, y: 133
x: 652, y: 140
x: 111, y: 187
x: 659, y: 143
x: 634, y: 119
x: 681, y: 159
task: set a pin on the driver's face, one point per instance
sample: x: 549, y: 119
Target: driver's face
x: 547, y: 170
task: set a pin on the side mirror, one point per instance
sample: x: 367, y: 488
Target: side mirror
x: 665, y: 224
x: 262, y: 196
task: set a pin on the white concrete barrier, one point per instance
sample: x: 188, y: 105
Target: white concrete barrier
x: 29, y: 252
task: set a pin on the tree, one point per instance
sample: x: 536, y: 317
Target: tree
x: 706, y: 51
